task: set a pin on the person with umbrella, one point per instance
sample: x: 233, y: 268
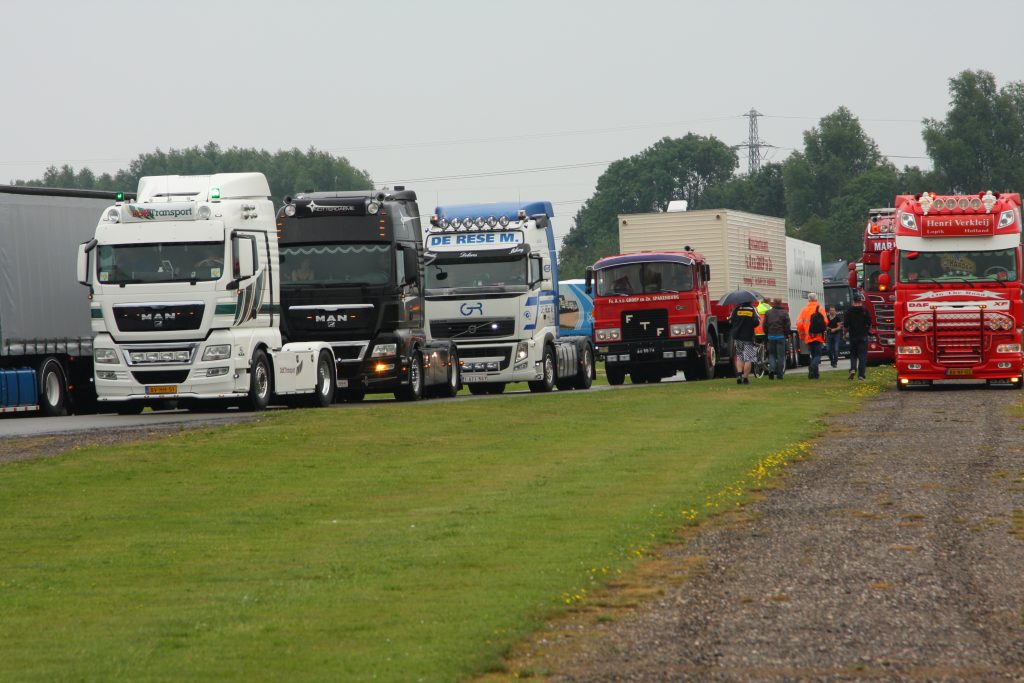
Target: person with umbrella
x: 743, y: 321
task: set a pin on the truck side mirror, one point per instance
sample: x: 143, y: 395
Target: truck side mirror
x: 851, y: 279
x: 83, y: 261
x: 706, y: 272
x: 244, y: 248
x: 411, y: 263
x: 588, y: 283
x: 885, y: 261
x: 541, y: 220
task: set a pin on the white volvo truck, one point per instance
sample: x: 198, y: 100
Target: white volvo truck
x: 184, y: 289
x: 492, y: 287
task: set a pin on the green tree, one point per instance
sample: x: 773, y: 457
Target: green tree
x: 763, y: 193
x: 288, y: 171
x: 670, y: 169
x: 980, y: 143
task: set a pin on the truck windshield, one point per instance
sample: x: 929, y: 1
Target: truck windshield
x: 502, y: 275
x: 336, y: 264
x: 840, y: 296
x: 999, y: 265
x: 160, y: 262
x: 871, y: 273
x: 649, y: 277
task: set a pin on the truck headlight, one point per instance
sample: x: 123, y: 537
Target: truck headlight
x: 908, y: 350
x: 1006, y: 218
x: 381, y: 350
x: 1008, y: 348
x: 522, y: 351
x: 105, y: 356
x: 608, y: 334
x: 217, y: 352
x: 684, y: 330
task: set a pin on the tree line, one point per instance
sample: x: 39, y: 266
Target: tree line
x: 288, y: 171
x: 823, y: 191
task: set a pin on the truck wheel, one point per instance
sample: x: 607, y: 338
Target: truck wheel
x: 585, y: 376
x: 414, y: 390
x: 495, y: 388
x: 547, y: 382
x: 615, y: 375
x: 478, y: 389
x: 323, y: 396
x: 259, y: 383
x: 53, y: 395
x: 702, y: 367
x: 454, y: 383
x: 638, y: 376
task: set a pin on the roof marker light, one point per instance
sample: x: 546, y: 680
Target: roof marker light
x: 119, y: 197
x: 492, y: 221
x: 976, y: 203
x: 214, y: 193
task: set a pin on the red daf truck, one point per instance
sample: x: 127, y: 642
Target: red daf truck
x: 956, y: 274
x: 879, y: 235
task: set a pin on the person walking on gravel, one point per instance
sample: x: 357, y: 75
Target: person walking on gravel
x: 743, y: 321
x: 811, y: 325
x: 858, y: 324
x: 776, y: 325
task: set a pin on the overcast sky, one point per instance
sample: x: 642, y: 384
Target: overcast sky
x: 418, y: 92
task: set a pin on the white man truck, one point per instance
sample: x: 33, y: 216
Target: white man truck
x: 492, y: 287
x: 185, y: 303
x: 45, y: 336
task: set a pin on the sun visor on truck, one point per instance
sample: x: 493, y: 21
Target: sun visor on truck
x: 453, y: 247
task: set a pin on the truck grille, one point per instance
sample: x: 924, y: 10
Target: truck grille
x: 160, y: 376
x: 646, y: 324
x: 150, y: 317
x: 959, y: 337
x: 884, y: 322
x: 473, y: 329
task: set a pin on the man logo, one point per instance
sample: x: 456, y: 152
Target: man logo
x: 158, y: 318
x: 331, y: 320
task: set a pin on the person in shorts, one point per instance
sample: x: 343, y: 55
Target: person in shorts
x: 743, y: 321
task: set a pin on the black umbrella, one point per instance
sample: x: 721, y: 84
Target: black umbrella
x: 739, y: 296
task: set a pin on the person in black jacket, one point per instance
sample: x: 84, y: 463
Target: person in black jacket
x: 858, y: 324
x: 743, y: 321
x: 833, y: 335
x: 776, y: 327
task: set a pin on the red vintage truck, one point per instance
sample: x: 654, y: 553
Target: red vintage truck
x: 879, y: 235
x: 956, y: 275
x: 653, y: 316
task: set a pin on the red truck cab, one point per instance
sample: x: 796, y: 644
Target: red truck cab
x: 879, y: 236
x: 956, y: 273
x: 653, y: 316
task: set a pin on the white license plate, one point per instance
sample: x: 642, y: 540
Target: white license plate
x: 474, y: 378
x: 342, y: 383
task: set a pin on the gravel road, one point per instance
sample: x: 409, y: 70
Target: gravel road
x: 889, y: 555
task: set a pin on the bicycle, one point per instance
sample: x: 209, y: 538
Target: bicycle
x: 759, y: 368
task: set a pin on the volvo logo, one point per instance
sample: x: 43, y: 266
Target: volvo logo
x: 469, y: 309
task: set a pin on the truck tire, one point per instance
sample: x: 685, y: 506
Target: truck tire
x: 323, y: 394
x: 413, y: 391
x: 548, y: 378
x: 585, y: 376
x: 454, y: 379
x: 478, y: 389
x: 615, y: 375
x: 259, y: 383
x: 53, y: 393
x: 354, y: 394
x: 702, y: 367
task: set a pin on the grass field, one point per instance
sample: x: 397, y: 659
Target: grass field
x: 386, y: 542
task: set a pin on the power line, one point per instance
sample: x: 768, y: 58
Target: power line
x: 488, y: 174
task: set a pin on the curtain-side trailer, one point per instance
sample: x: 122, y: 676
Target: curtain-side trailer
x: 45, y: 333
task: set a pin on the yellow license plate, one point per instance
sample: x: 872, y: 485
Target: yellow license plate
x: 162, y: 390
x: 960, y: 371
